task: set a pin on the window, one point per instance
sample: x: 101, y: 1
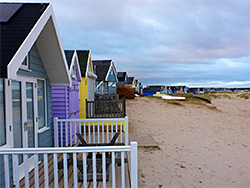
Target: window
x: 2, y: 115
x: 41, y: 104
x: 73, y: 71
x: 26, y: 61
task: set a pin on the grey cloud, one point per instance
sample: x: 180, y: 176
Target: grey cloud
x: 164, y: 40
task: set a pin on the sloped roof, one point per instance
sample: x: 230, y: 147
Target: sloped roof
x: 101, y: 68
x: 121, y: 76
x: 16, y: 29
x: 69, y: 54
x: 83, y: 56
x: 130, y: 80
x: 153, y: 88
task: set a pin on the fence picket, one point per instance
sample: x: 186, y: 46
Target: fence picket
x: 55, y: 170
x: 74, y: 131
x: 36, y: 171
x: 113, y: 170
x: 16, y: 170
x: 98, y: 132
x: 26, y: 170
x: 65, y: 170
x: 70, y: 129
x: 104, y: 167
x: 122, y: 170
x: 66, y: 135
x: 89, y: 135
x: 94, y: 169
x: 102, y: 131
x: 84, y: 158
x: 75, y: 170
x: 6, y: 170
x: 46, y: 172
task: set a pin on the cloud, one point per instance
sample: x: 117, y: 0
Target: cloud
x: 162, y: 41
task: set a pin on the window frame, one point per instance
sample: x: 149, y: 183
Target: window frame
x: 5, y: 115
x: 27, y: 60
x: 73, y: 72
x: 45, y: 127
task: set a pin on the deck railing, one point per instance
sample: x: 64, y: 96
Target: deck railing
x: 93, y: 130
x: 106, y: 97
x: 106, y: 109
x: 55, y: 171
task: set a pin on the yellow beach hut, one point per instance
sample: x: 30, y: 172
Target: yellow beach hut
x: 87, y: 86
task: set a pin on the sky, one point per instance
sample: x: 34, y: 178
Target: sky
x: 167, y: 42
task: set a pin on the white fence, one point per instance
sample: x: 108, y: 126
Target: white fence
x: 93, y: 130
x: 79, y: 164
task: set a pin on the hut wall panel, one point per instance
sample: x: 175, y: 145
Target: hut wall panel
x: 83, y: 97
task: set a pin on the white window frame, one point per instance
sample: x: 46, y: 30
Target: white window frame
x: 27, y: 60
x: 73, y: 71
x: 42, y: 129
x: 6, y: 145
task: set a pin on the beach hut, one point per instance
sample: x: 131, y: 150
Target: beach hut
x: 140, y: 88
x: 130, y: 82
x: 154, y: 89
x: 65, y: 100
x: 87, y: 86
x: 136, y: 86
x: 32, y: 61
x: 122, y: 78
x: 105, y: 86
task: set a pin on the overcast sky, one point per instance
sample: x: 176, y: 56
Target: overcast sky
x: 193, y: 42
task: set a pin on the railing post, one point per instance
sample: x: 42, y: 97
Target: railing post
x: 6, y: 170
x: 87, y: 115
x: 56, y: 132
x: 124, y: 107
x: 126, y: 130
x: 134, y: 165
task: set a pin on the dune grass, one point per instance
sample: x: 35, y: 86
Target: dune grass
x: 244, y: 95
x: 220, y: 96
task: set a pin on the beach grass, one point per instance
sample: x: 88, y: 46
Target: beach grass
x: 244, y: 95
x: 220, y: 96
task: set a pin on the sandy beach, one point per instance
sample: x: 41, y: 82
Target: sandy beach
x: 199, y: 145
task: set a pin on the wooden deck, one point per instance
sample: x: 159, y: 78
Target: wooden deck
x: 80, y: 176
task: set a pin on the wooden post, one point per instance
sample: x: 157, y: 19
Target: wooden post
x: 87, y: 114
x: 124, y: 107
x: 126, y: 131
x: 134, y: 167
x: 55, y: 132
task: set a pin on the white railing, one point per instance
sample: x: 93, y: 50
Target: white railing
x: 93, y: 130
x: 81, y: 162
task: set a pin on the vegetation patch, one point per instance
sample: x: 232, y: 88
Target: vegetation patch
x: 220, y: 96
x: 244, y: 95
x: 222, y: 92
x: 201, y: 100
x: 173, y: 102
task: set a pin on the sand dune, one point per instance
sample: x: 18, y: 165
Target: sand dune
x: 200, y: 145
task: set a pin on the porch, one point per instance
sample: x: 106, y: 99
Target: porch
x: 69, y: 164
x: 84, y: 171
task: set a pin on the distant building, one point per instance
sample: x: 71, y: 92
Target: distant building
x: 130, y: 82
x: 154, y: 89
x: 106, y: 77
x: 122, y: 78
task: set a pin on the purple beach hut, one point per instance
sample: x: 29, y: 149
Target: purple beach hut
x: 65, y: 100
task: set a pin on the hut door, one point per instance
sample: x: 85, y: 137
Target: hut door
x: 24, y: 122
